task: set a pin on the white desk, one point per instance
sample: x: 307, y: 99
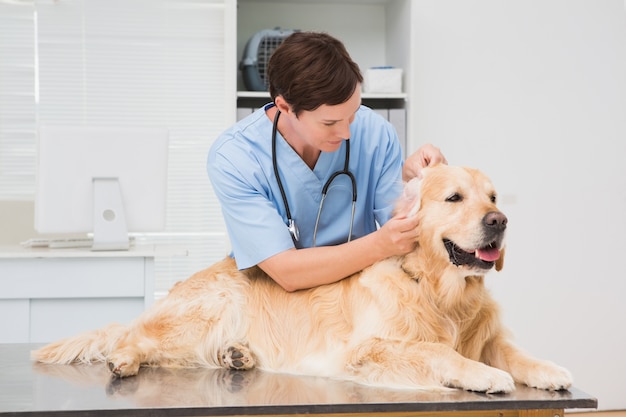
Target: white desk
x: 30, y: 389
x: 46, y: 294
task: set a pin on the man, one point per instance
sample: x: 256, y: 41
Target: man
x: 268, y: 182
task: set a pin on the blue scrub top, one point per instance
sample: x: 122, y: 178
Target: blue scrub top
x: 241, y: 171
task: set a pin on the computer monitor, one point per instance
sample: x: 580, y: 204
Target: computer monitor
x: 106, y: 181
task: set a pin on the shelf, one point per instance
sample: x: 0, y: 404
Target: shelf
x: 374, y: 96
x: 256, y: 99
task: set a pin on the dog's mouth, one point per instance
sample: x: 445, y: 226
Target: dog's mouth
x: 483, y: 258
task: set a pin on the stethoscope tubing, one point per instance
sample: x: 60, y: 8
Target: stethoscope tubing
x: 291, y: 224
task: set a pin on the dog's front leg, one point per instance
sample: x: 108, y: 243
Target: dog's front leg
x: 422, y: 365
x: 525, y: 369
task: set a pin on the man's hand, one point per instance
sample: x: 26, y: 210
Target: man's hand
x: 398, y: 236
x: 425, y: 156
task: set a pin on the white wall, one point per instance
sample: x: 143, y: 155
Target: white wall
x: 533, y: 93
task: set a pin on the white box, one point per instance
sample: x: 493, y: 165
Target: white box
x: 382, y: 80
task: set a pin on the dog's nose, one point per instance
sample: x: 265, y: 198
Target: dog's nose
x: 495, y: 220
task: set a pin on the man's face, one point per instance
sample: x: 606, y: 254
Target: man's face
x: 326, y: 127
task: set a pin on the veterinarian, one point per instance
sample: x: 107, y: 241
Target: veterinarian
x: 270, y: 170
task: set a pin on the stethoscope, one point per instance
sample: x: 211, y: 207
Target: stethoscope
x: 291, y: 224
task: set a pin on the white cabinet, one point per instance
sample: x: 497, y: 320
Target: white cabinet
x: 375, y: 32
x: 47, y: 294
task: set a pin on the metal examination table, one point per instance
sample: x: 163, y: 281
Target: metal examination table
x: 29, y: 389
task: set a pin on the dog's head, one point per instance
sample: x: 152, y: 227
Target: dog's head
x: 459, y: 220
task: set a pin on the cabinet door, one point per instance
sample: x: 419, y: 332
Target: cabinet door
x: 14, y: 323
x: 51, y: 298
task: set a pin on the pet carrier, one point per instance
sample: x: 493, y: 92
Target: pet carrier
x: 256, y: 55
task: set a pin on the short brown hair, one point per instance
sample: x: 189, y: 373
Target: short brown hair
x: 310, y: 69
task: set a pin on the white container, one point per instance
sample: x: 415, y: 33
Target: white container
x: 382, y: 80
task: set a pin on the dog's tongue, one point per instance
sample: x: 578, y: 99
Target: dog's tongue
x: 488, y: 255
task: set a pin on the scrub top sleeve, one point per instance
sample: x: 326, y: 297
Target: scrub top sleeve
x: 256, y: 230
x: 389, y: 186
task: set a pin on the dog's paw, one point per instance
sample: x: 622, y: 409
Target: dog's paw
x: 236, y: 356
x: 482, y: 378
x: 548, y: 376
x: 123, y: 366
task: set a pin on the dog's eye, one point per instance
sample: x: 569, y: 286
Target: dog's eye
x: 493, y: 198
x: 454, y: 198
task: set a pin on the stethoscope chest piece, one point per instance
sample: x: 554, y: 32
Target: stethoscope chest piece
x: 293, y: 229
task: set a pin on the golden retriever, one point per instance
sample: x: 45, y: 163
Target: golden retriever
x: 422, y: 321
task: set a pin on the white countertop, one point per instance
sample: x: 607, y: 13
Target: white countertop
x: 19, y: 251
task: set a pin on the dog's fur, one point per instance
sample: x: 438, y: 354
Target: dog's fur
x: 424, y: 320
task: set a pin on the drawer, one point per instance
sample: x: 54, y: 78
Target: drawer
x: 53, y: 319
x: 72, y: 277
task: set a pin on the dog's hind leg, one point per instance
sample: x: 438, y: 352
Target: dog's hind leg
x: 154, y: 340
x: 422, y: 365
x: 127, y: 356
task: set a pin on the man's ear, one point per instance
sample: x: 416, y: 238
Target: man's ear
x: 500, y: 260
x: 282, y: 105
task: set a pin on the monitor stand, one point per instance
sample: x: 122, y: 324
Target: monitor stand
x: 110, y: 231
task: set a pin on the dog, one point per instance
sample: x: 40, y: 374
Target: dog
x: 424, y: 320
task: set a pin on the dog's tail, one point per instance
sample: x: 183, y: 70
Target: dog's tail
x: 93, y: 346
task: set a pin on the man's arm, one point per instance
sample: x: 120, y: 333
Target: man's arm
x: 297, y: 269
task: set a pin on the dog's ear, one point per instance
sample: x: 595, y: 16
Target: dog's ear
x: 500, y: 260
x: 409, y: 202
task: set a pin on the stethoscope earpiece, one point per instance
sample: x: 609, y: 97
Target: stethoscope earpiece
x: 291, y: 224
